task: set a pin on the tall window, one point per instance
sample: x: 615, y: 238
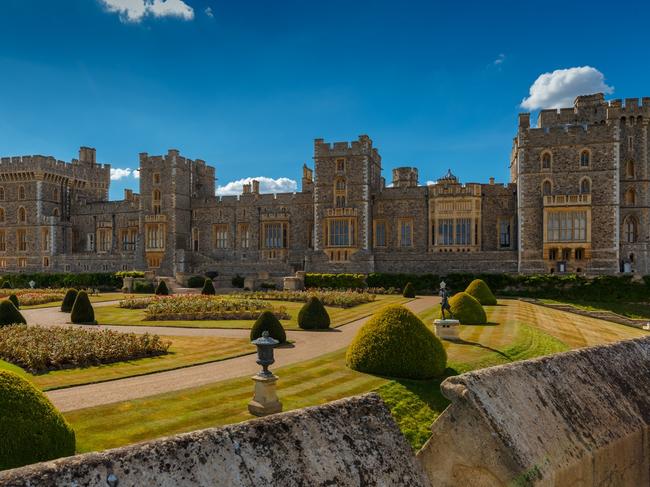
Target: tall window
x: 405, y: 233
x: 340, y: 193
x: 340, y: 165
x: 21, y: 192
x: 195, y: 239
x: 155, y: 237
x: 105, y: 238
x: 90, y: 242
x: 566, y: 226
x: 585, y: 186
x: 546, y: 160
x: 156, y: 201
x: 22, y: 215
x: 221, y: 236
x: 631, y: 229
x: 244, y: 235
x: 463, y: 231
x: 629, y: 169
x: 21, y: 239
x: 2, y: 193
x: 45, y: 239
x: 2, y: 214
x: 584, y: 158
x: 630, y: 197
x: 340, y: 232
x: 446, y: 232
x: 128, y: 238
x: 3, y: 241
x: 504, y: 234
x: 380, y: 233
x: 547, y: 188
x: 156, y: 178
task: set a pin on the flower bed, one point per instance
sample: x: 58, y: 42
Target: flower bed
x: 39, y: 349
x: 199, y: 307
x: 138, y: 303
x: 32, y: 299
x: 340, y: 299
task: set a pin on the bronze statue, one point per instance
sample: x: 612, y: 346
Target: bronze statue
x: 444, y: 303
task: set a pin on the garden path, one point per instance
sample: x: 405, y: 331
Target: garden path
x: 307, y: 345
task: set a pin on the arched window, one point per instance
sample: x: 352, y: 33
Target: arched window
x: 546, y: 160
x: 340, y: 193
x: 631, y: 229
x: 630, y: 197
x: 55, y: 212
x: 2, y: 193
x: 629, y: 169
x: 22, y: 215
x: 585, y: 158
x: 547, y: 188
x: 585, y: 186
x: 156, y: 201
x: 21, y: 192
x: 2, y: 214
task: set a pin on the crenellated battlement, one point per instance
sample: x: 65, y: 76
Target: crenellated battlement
x: 569, y: 134
x: 39, y: 164
x: 362, y: 146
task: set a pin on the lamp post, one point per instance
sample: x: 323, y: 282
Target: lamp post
x: 265, y: 399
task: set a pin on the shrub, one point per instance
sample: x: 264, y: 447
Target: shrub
x: 237, y: 281
x: 9, y: 315
x: 268, y: 322
x: 341, y: 299
x: 162, y: 290
x: 31, y: 429
x: 268, y: 286
x: 193, y: 307
x: 39, y: 349
x: 7, y: 285
x: 196, y: 282
x: 395, y: 343
x: 82, y: 311
x: 123, y: 274
x: 208, y: 288
x: 481, y: 292
x: 408, y: 292
x: 68, y: 300
x: 467, y: 309
x: 14, y: 299
x: 313, y: 315
x: 143, y: 287
x: 335, y: 281
x: 95, y: 280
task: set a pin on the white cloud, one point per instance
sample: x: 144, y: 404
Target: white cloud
x: 118, y: 173
x: 136, y: 173
x: 559, y: 88
x: 267, y: 185
x: 500, y: 59
x: 136, y: 10
x: 208, y: 11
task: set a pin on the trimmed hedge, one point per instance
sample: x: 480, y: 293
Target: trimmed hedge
x: 208, y: 288
x: 237, y: 281
x: 268, y: 322
x: 467, y: 309
x: 395, y: 343
x: 31, y: 429
x: 123, y: 274
x: 9, y: 314
x: 162, y: 289
x: 14, y: 299
x: 68, y: 300
x: 313, y: 315
x: 143, y: 287
x: 336, y: 281
x: 7, y: 285
x: 481, y: 292
x: 99, y: 280
x: 196, y: 282
x: 82, y: 310
x: 408, y: 292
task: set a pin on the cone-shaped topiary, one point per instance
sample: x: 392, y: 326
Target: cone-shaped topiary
x: 313, y: 315
x: 82, y: 311
x: 208, y: 288
x: 14, y: 299
x: 9, y: 315
x: 68, y: 300
x: 395, y: 343
x: 7, y: 285
x: 408, y: 292
x: 162, y: 290
x: 481, y: 292
x: 467, y: 309
x: 267, y: 321
x: 31, y: 429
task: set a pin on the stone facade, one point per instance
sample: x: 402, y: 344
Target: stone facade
x: 577, y: 202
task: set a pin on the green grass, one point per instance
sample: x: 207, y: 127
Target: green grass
x: 114, y: 315
x: 639, y: 311
x: 414, y: 404
x: 185, y: 351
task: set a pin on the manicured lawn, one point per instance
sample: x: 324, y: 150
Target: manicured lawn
x: 114, y: 315
x: 185, y: 351
x: 631, y: 310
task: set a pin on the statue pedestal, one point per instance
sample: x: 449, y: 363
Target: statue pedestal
x: 447, y: 329
x: 265, y: 400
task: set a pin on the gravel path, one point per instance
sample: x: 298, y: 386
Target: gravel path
x: 307, y: 345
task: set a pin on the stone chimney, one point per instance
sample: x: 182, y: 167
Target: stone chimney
x: 87, y: 155
x: 256, y: 186
x: 491, y: 181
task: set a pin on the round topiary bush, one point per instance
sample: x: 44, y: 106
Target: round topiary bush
x: 395, y: 343
x: 313, y: 315
x: 467, y: 309
x: 481, y: 292
x: 7, y: 285
x: 208, y: 288
x: 82, y: 311
x: 31, y: 429
x: 68, y: 300
x: 9, y: 315
x: 409, y: 291
x: 162, y: 289
x: 14, y: 299
x: 267, y: 321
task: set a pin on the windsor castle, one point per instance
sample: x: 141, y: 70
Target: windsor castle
x: 577, y: 201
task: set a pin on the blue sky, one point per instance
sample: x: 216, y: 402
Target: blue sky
x: 248, y: 85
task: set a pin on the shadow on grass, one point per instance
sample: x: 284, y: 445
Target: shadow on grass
x: 460, y: 341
